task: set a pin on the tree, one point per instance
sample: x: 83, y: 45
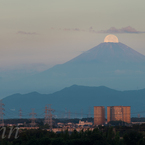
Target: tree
x: 133, y: 138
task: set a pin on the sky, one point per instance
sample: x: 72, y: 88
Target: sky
x: 35, y: 35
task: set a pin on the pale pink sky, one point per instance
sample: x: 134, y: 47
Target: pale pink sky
x: 39, y: 34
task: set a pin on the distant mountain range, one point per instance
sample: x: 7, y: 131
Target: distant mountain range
x: 114, y: 65
x: 76, y: 99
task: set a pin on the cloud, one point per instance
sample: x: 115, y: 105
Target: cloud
x: 92, y: 30
x: 68, y: 29
x: 75, y: 29
x: 127, y: 29
x: 27, y: 33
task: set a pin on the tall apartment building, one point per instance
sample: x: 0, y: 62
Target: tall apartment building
x: 116, y: 113
x: 99, y: 115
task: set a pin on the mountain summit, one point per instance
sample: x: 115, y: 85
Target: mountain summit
x: 109, y: 53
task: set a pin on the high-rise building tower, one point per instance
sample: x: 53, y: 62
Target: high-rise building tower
x: 99, y: 115
x: 118, y: 113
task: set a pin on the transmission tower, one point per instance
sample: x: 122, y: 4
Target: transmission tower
x: 48, y: 115
x: 75, y: 114
x: 62, y: 115
x: 1, y: 113
x: 89, y: 115
x: 33, y: 114
x: 65, y: 113
x: 46, y: 121
x: 20, y: 113
x: 81, y: 113
x: 69, y: 114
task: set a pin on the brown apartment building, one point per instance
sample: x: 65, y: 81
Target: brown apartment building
x: 116, y: 113
x: 99, y: 115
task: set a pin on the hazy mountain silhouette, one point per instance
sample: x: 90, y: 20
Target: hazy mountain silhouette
x: 113, y: 65
x: 110, y: 64
x: 74, y: 98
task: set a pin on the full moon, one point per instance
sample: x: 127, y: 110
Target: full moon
x: 111, y: 38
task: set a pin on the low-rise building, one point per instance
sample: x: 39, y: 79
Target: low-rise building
x: 83, y: 123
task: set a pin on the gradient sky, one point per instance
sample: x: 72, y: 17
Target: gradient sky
x: 38, y: 34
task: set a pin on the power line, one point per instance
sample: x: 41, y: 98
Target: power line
x: 69, y: 114
x: 20, y: 113
x: 66, y: 113
x: 81, y: 113
x: 89, y: 115
x: 75, y: 114
x: 1, y: 113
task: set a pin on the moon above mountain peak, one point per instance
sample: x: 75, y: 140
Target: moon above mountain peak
x: 111, y: 38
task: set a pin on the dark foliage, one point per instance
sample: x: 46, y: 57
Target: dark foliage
x: 118, y: 135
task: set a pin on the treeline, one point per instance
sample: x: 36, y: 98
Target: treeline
x: 99, y: 136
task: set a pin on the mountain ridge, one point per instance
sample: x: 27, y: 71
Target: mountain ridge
x: 75, y: 98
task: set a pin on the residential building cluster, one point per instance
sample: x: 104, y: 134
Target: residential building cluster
x: 114, y: 113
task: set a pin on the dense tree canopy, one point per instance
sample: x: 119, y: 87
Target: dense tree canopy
x: 99, y: 136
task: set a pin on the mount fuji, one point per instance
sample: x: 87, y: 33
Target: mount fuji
x: 114, y: 65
